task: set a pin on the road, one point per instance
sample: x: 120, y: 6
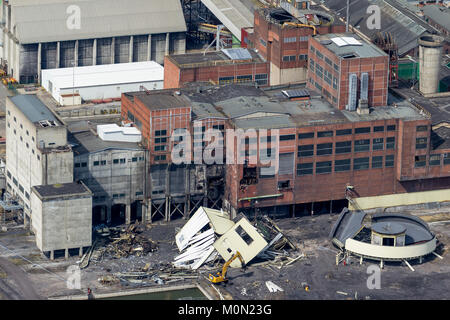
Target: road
x: 16, y: 285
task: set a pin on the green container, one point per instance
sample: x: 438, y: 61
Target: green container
x: 408, y: 71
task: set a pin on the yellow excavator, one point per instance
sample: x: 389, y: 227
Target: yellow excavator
x: 221, y: 276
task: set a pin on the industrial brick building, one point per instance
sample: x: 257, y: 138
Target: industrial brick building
x: 220, y: 67
x: 346, y: 69
x: 281, y: 37
x: 39, y: 35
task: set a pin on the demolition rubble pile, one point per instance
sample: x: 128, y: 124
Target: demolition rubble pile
x: 211, y: 233
x: 129, y: 242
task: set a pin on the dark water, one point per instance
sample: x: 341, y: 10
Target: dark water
x: 184, y: 294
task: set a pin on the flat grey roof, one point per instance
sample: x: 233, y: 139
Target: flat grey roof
x: 365, y: 50
x: 46, y: 21
x: 87, y: 142
x: 64, y: 189
x: 438, y: 14
x: 33, y: 108
x: 191, y: 60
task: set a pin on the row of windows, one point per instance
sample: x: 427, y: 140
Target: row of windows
x: 294, y: 39
x: 434, y: 160
x: 304, y: 169
x: 293, y: 58
x: 346, y: 147
x: 261, y: 79
x: 103, y: 162
x: 344, y: 132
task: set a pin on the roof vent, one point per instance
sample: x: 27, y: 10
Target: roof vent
x: 326, y: 42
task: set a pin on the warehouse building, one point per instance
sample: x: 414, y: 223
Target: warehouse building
x: 61, y: 34
x: 37, y: 151
x: 101, y: 82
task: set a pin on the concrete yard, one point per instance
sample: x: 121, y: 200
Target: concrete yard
x: 34, y: 273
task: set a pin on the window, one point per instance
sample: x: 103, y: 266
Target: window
x: 288, y: 58
x: 96, y: 163
x: 323, y: 134
x: 38, y: 157
x: 244, y: 235
x: 306, y: 135
x: 244, y: 78
x: 336, y: 67
x: 378, y: 129
x: 361, y: 163
x: 378, y: 144
x: 160, y: 140
x: 287, y: 137
x: 311, y: 65
x: 421, y: 128
x: 266, y: 173
x: 283, y: 184
x: 160, y: 157
x: 324, y: 148
x: 343, y: 132
x: 362, y: 145
x: 77, y: 165
x: 21, y: 188
x: 27, y: 195
x: 159, y: 133
x: 122, y: 161
x: 290, y: 39
x: 115, y: 161
x: 319, y: 54
x: 303, y: 57
x: 362, y: 130
x: 303, y: 38
x: 130, y: 116
x: 335, y: 83
x: 328, y: 77
x: 134, y: 159
x: 139, y: 193
x: 260, y: 79
x: 446, y: 158
x: 319, y: 71
x: 304, y: 169
x: 84, y: 164
x: 342, y: 165
x: 391, y: 128
x: 435, y: 160
x: 225, y: 80
x: 318, y: 86
x: 141, y: 158
x: 323, y: 167
x: 15, y: 182
x: 390, y: 143
x: 389, y: 161
x: 377, y: 162
x: 420, y: 161
x: 306, y: 151
x: 328, y: 61
x: 343, y: 147
x: 161, y: 148
x: 103, y: 162
x: 421, y: 143
x: 313, y: 50
x: 8, y: 174
x: 263, y: 42
x: 28, y: 133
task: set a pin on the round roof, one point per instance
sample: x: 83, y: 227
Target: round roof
x: 388, y: 228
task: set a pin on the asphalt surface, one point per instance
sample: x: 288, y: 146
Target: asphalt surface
x: 16, y: 285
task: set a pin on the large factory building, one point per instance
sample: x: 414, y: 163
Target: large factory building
x: 51, y: 34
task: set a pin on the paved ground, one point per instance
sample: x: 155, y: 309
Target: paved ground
x: 431, y: 280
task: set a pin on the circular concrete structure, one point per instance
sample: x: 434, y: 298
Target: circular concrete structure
x: 430, y: 55
x: 388, y: 228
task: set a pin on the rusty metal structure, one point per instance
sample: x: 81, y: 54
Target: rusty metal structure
x: 387, y: 43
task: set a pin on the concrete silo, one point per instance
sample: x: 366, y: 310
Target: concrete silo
x: 430, y: 55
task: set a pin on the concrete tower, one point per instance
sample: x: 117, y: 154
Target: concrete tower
x: 430, y: 55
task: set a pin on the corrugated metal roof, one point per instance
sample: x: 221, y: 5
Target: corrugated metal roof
x: 439, y: 15
x: 107, y: 74
x: 46, y: 21
x: 404, y: 26
x: 232, y: 13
